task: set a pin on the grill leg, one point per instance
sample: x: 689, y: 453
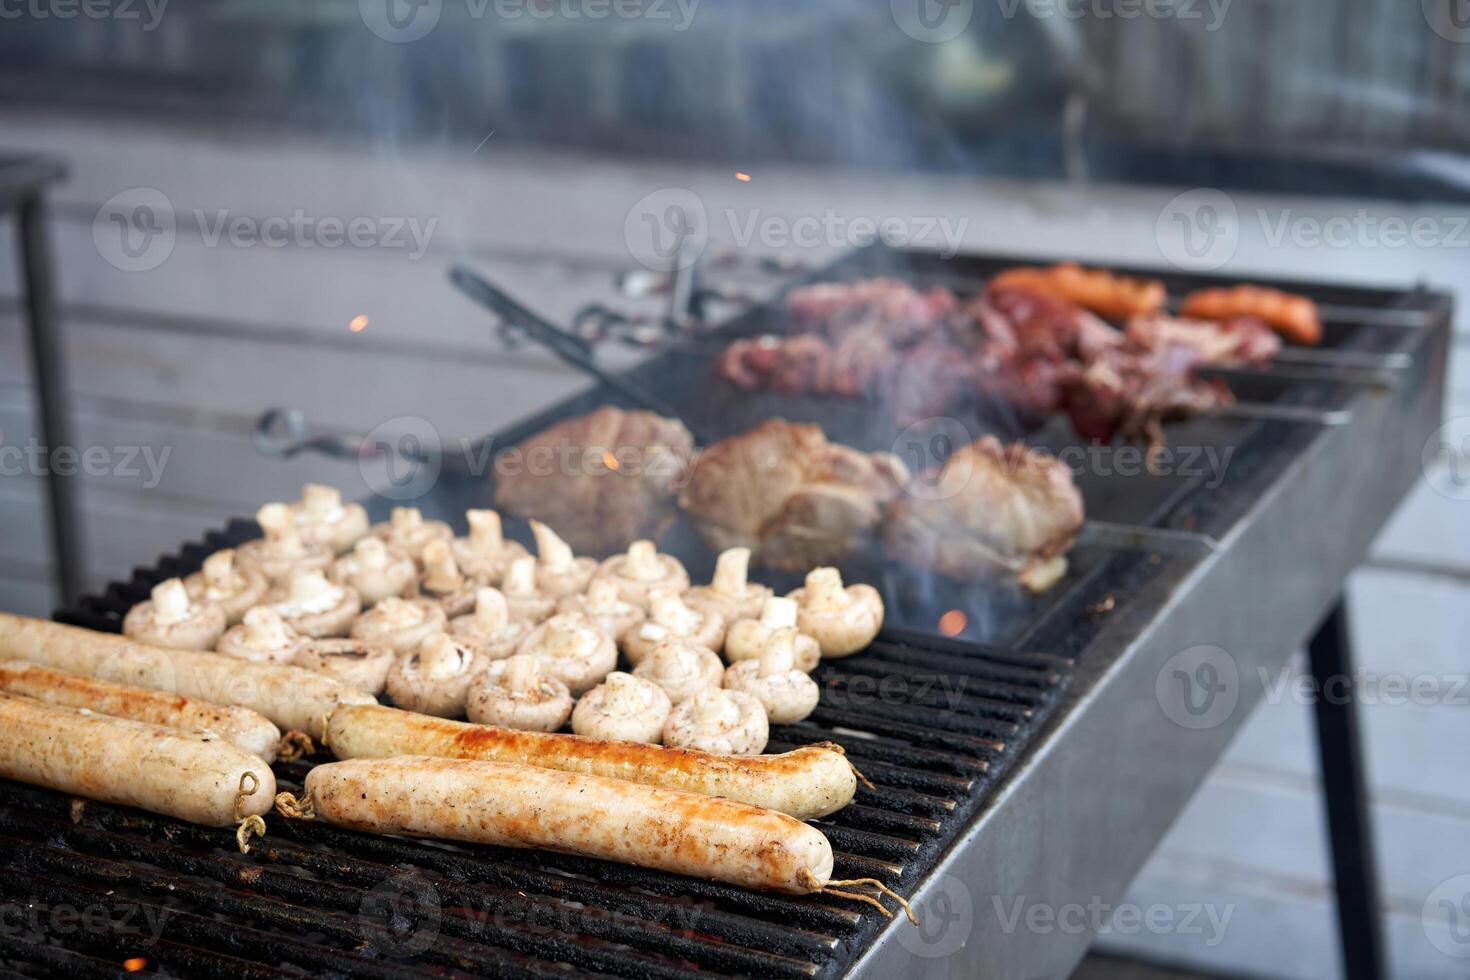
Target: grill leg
x: 1346, y: 798
x: 50, y: 375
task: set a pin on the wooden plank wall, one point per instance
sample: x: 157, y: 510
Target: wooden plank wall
x: 183, y: 358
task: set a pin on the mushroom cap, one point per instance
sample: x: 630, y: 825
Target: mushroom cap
x: 170, y: 619
x: 572, y: 649
x: 518, y: 693
x: 841, y: 620
x: 401, y: 624
x: 624, y: 708
x: 748, y: 638
x: 323, y: 518
x: 317, y: 607
x: 444, y: 582
x: 682, y: 668
x: 435, y: 678
x: 602, y: 604
x: 227, y: 584
x: 282, y: 550
x: 376, y: 570
x: 643, y: 570
x: 363, y: 666
x: 262, y: 636
x: 719, y: 721
x: 787, y: 694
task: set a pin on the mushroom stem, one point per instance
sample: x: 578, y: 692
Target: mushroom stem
x: 732, y: 571
x: 280, y: 529
x: 320, y: 501
x: 491, y: 611
x: 602, y: 596
x: 522, y: 674
x: 642, y: 563
x: 441, y: 572
x: 439, y: 655
x: 406, y: 519
x: 779, y: 654
x: 266, y: 630
x: 824, y: 589
x: 779, y: 612
x: 555, y: 554
x: 520, y: 578
x: 372, y: 553
x: 711, y: 709
x: 485, y: 529
x: 219, y: 569
x: 170, y: 602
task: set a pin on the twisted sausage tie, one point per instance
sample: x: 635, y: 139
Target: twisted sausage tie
x: 253, y: 824
x: 288, y: 805
x: 816, y: 885
x: 295, y: 745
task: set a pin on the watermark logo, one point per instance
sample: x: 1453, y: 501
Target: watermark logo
x: 667, y: 229
x: 400, y: 21
x: 925, y: 447
x: 1445, y: 917
x: 135, y: 229
x: 1205, y: 920
x: 401, y: 459
x: 1210, y: 12
x: 401, y: 915
x: 1446, y: 459
x: 946, y: 915
x: 1450, y: 19
x: 1198, y: 688
x: 1198, y: 230
x: 932, y: 21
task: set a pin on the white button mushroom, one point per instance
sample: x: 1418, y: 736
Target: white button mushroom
x: 604, y: 606
x: 723, y: 722
x: 787, y: 694
x: 489, y: 630
x: 401, y: 624
x: 518, y: 693
x: 169, y: 619
x: 525, y: 601
x: 730, y: 592
x: 672, y: 620
x: 435, y: 679
x: 681, y: 668
x: 642, y: 571
x: 407, y: 530
x: 282, y: 550
x: 746, y: 639
x: 624, y: 708
x: 841, y: 620
x: 443, y: 582
x: 359, y: 665
x: 485, y: 553
x: 262, y: 636
x: 559, y: 573
x: 572, y: 649
x: 316, y: 607
x: 223, y: 582
x: 323, y: 518
x: 375, y: 570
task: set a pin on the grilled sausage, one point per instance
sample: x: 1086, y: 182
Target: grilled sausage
x: 808, y: 782
x: 522, y: 806
x: 242, y: 727
x: 289, y: 696
x: 204, y: 780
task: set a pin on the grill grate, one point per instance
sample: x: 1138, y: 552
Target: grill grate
x: 933, y: 726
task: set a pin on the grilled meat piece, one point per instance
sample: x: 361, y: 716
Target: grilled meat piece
x: 896, y: 309
x: 1132, y: 391
x: 988, y: 510
x: 795, y: 499
x: 600, y: 480
x: 1234, y: 341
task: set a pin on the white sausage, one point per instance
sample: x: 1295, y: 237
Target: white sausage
x: 114, y: 760
x: 240, y: 726
x: 522, y: 806
x: 289, y: 696
x: 808, y: 782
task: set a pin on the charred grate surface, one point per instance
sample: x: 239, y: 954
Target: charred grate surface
x: 932, y: 724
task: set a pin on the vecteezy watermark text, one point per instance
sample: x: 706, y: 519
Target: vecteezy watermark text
x: 136, y: 229
x: 32, y: 458
x: 1096, y: 917
x: 149, y: 12
x: 65, y: 919
x: 404, y: 21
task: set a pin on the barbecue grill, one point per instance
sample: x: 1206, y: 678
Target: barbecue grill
x: 1031, y: 754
